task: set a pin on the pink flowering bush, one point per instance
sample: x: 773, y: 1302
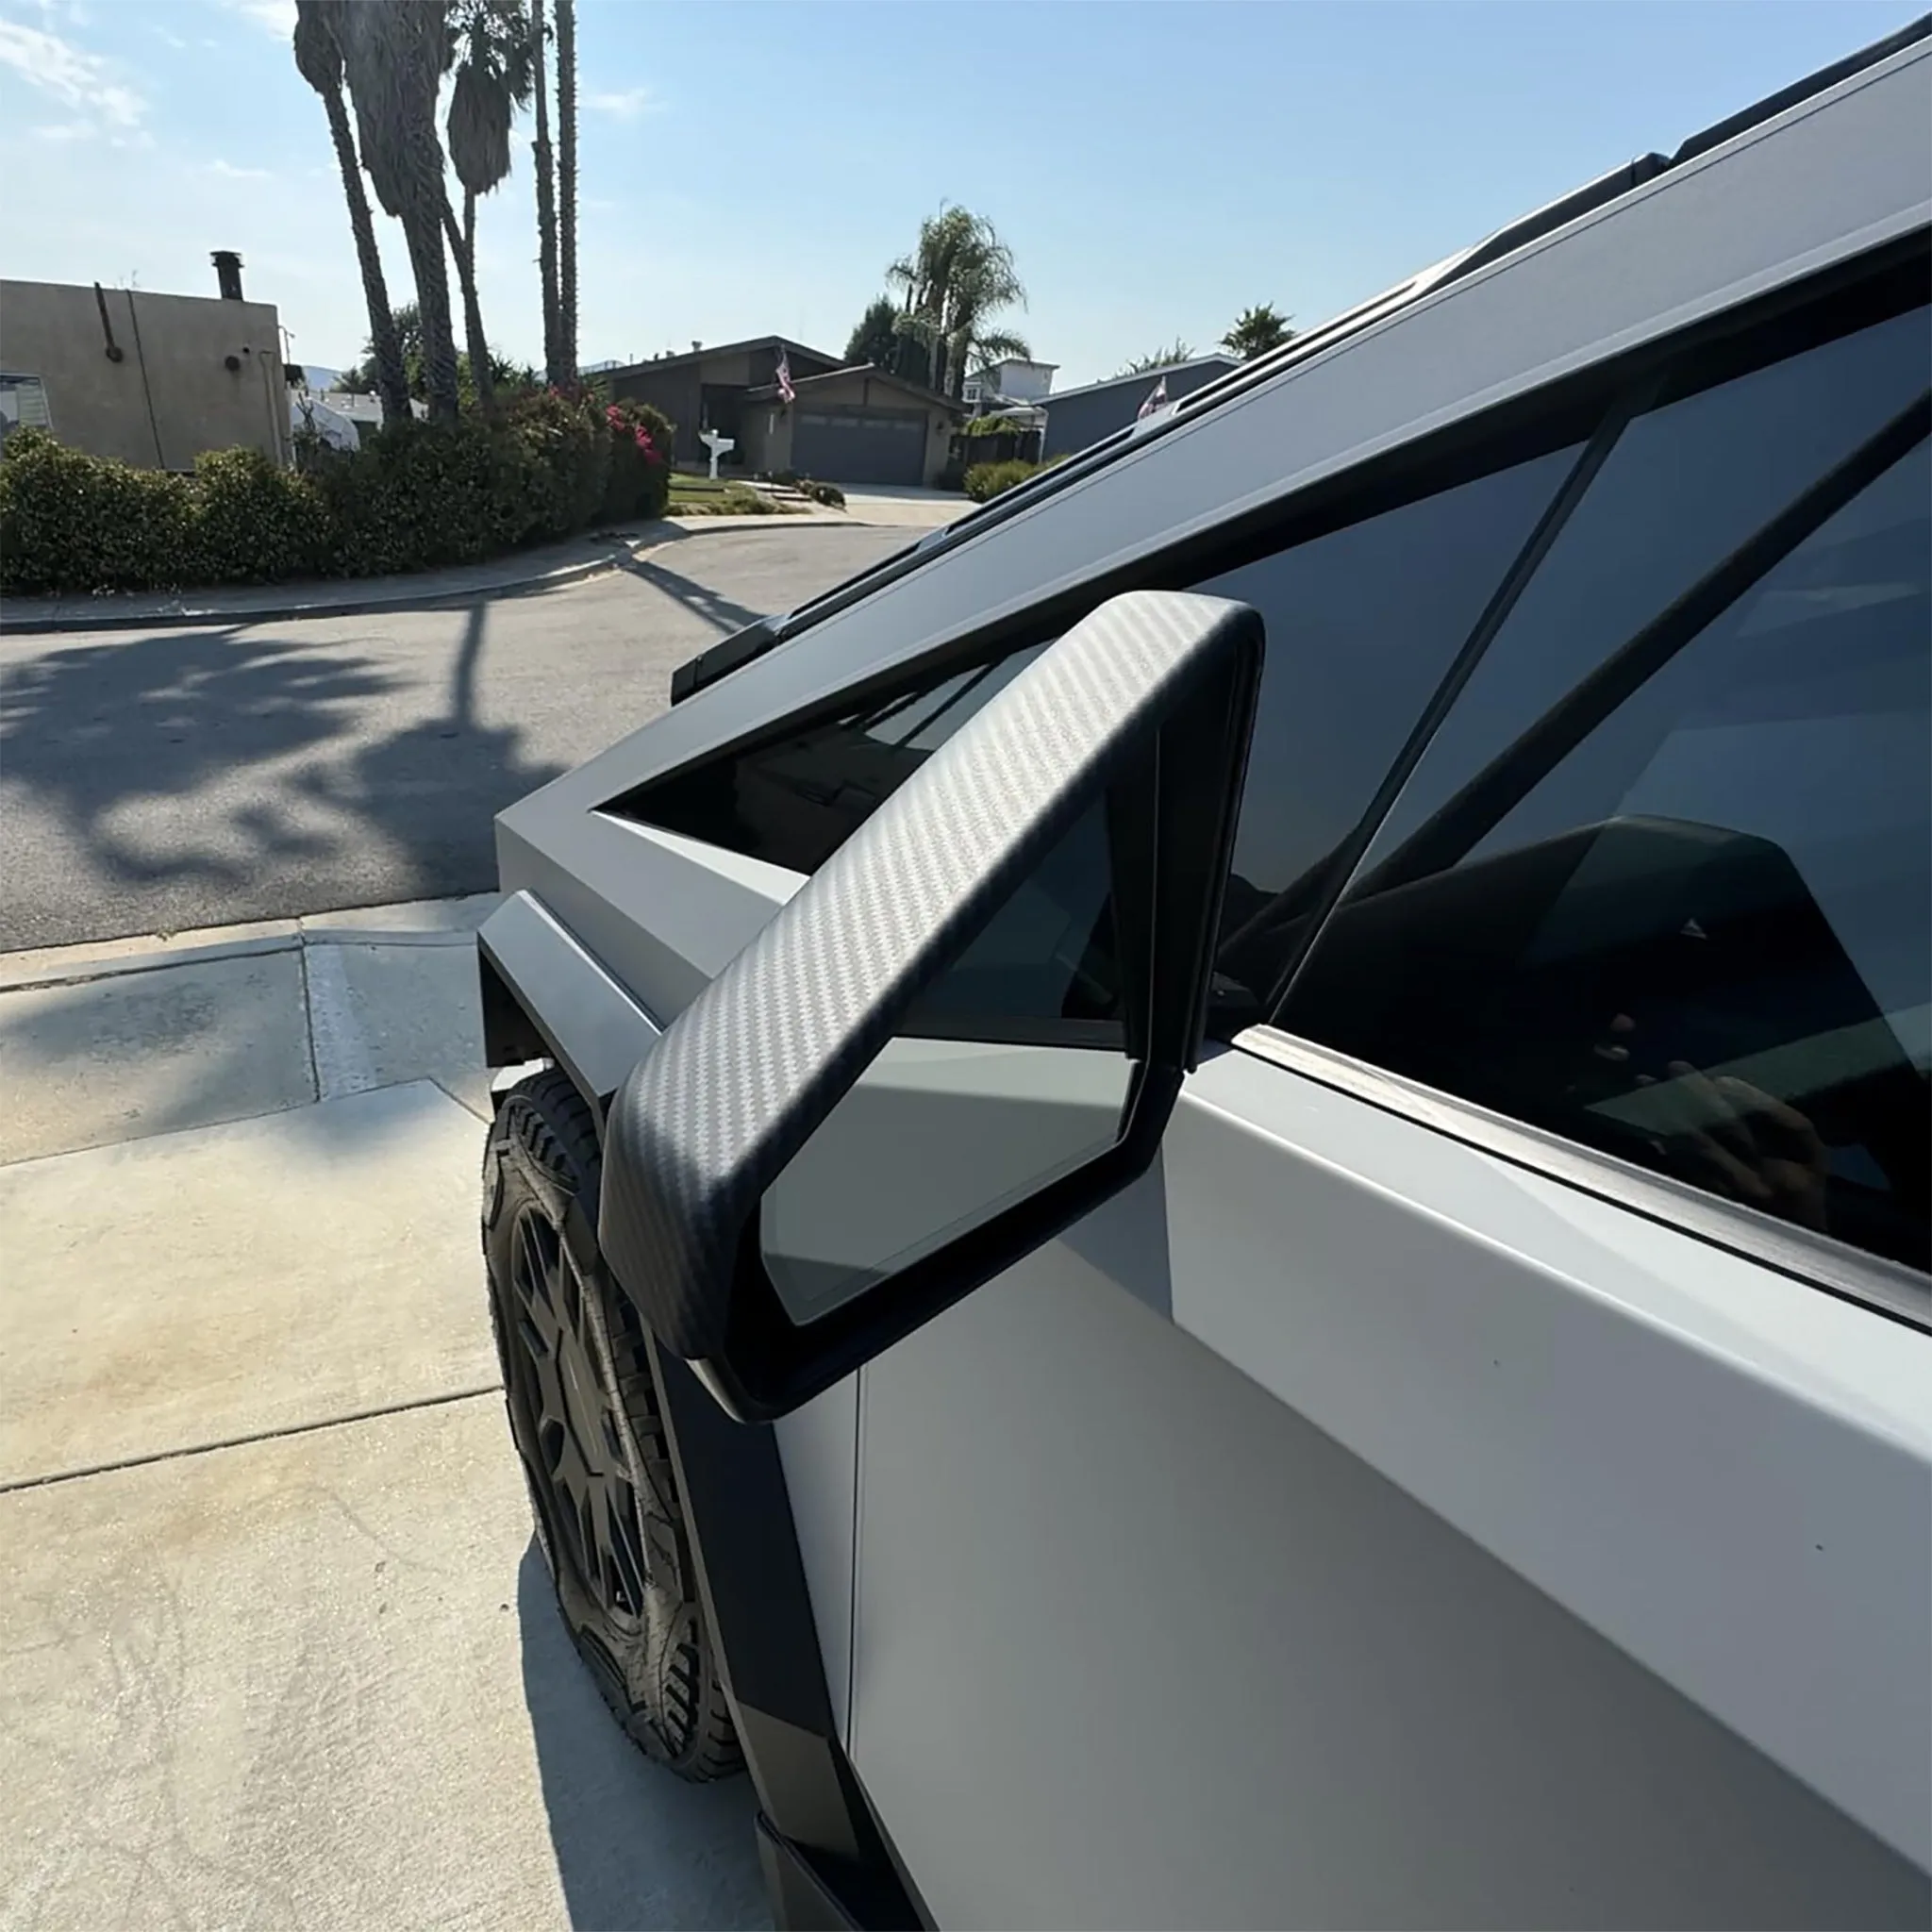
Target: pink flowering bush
x: 640, y: 481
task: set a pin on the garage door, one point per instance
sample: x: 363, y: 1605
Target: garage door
x: 874, y: 448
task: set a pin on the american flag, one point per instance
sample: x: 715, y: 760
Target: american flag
x: 1156, y: 401
x: 785, y: 392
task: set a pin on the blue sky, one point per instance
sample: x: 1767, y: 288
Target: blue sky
x: 752, y: 167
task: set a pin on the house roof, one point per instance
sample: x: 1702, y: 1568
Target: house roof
x: 867, y: 369
x: 784, y: 343
x: 1148, y: 376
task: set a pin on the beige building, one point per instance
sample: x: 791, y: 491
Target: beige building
x: 152, y: 379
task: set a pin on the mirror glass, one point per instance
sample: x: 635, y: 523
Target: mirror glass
x: 1011, y: 1069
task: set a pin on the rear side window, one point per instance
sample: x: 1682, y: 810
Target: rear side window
x: 1662, y: 884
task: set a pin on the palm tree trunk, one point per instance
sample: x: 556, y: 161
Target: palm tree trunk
x: 422, y: 230
x: 462, y: 244
x: 392, y: 379
x: 546, y: 208
x: 567, y: 185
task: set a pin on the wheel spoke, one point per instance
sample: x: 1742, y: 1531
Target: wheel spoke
x: 626, y: 1555
x: 561, y: 1385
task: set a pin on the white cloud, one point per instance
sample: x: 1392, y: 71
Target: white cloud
x: 274, y: 16
x: 66, y: 131
x: 229, y: 172
x: 630, y: 103
x: 168, y: 37
x: 75, y: 79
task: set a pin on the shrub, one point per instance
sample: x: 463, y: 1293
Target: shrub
x: 639, y: 484
x: 250, y: 522
x: 985, y: 481
x: 421, y: 495
x: 415, y: 496
x: 991, y: 426
x: 566, y: 445
x: 71, y: 521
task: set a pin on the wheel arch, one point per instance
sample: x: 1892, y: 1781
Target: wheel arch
x: 544, y: 997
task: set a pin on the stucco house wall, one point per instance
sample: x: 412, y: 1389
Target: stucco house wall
x: 169, y: 394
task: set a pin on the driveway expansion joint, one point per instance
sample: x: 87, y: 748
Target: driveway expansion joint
x: 242, y: 1441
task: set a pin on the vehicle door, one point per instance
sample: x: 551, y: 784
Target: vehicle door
x: 1478, y: 1474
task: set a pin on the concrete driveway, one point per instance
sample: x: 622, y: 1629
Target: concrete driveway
x: 901, y: 505
x: 275, y: 1649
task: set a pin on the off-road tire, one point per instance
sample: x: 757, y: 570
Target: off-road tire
x: 653, y: 1664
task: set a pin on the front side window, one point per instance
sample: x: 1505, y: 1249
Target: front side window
x: 1363, y: 621
x: 1363, y: 624
x: 794, y: 800
x: 1663, y: 882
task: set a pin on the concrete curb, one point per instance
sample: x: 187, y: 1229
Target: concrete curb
x: 667, y: 529
x: 38, y: 623
x: 419, y: 922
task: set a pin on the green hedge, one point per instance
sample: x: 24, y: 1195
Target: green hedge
x: 987, y: 480
x: 414, y: 496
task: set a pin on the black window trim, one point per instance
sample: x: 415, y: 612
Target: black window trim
x: 1870, y: 1282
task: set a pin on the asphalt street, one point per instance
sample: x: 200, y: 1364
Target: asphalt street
x: 167, y: 779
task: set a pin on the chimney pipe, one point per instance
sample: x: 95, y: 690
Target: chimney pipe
x: 227, y: 272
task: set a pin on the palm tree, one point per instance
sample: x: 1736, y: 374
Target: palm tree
x: 393, y: 57
x: 957, y: 279
x: 1255, y: 331
x: 320, y: 61
x: 546, y: 205
x: 489, y: 47
x: 1177, y: 351
x: 567, y: 186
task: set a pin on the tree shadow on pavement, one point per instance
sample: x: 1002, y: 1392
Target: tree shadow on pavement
x: 188, y: 778
x: 636, y: 1848
x: 90, y: 727
x: 436, y: 786
x: 716, y: 609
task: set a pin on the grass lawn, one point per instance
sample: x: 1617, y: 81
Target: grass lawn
x: 699, y: 496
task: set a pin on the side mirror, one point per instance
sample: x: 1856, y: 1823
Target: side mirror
x: 967, y: 1030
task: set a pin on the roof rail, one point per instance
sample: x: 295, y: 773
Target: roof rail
x: 1723, y: 130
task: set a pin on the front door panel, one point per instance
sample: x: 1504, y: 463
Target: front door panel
x: 1137, y: 1642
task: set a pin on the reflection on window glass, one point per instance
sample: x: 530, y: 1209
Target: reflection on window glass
x: 1362, y: 626
x: 1686, y: 483
x: 1691, y: 923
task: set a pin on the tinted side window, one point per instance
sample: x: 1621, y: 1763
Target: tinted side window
x: 1685, y: 915
x: 1363, y: 624
x: 795, y: 800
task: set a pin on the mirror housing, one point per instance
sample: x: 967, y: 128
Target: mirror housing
x: 740, y: 1081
